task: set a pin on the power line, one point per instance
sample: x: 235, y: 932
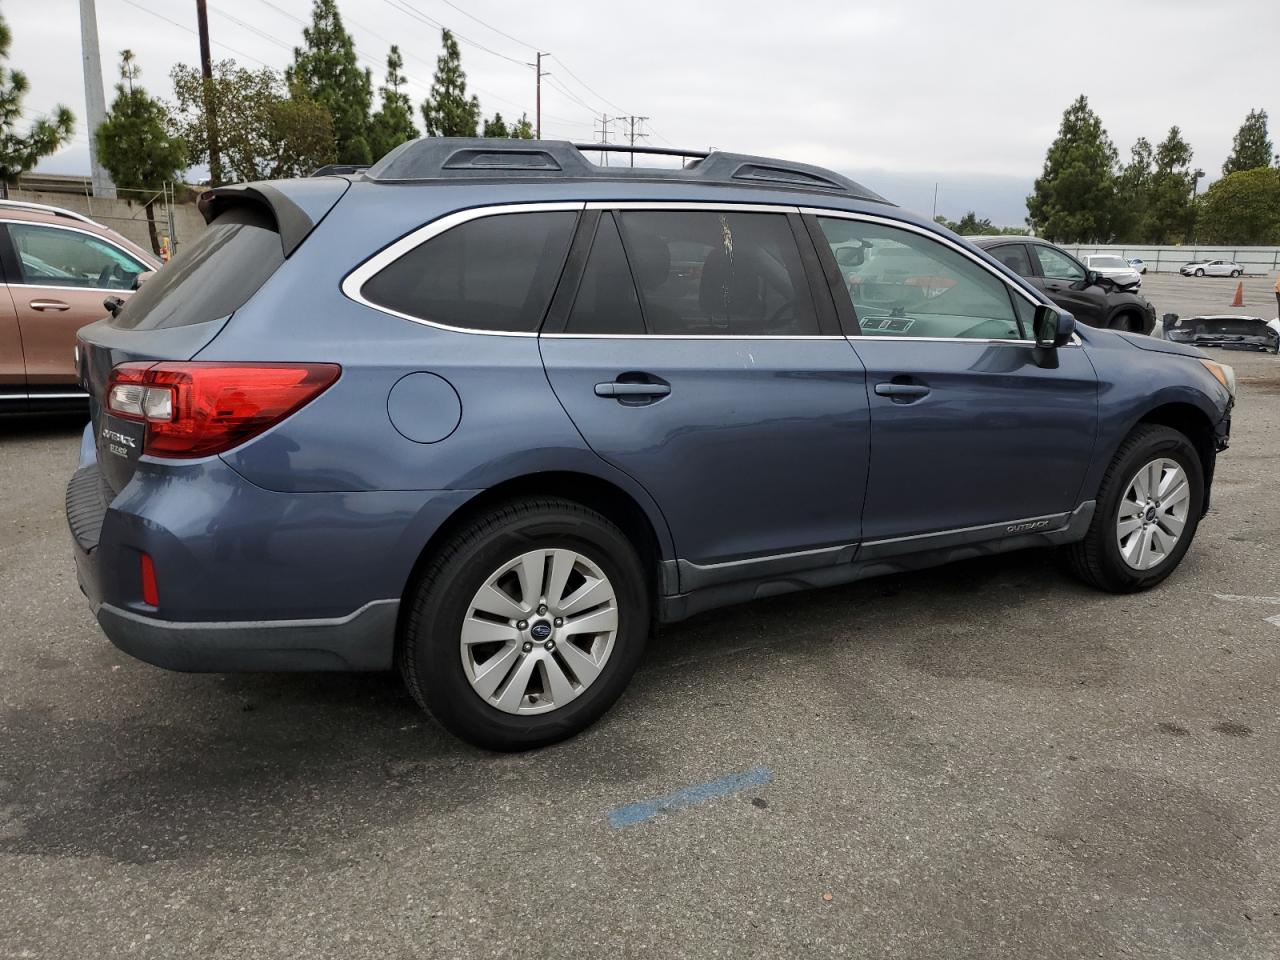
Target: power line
x: 183, y: 26
x: 404, y: 7
x: 482, y: 23
x: 583, y: 83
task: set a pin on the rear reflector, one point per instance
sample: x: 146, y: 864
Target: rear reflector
x: 150, y: 593
x: 197, y: 409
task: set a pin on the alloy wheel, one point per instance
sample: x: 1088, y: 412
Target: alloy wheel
x: 539, y: 631
x: 1153, y: 513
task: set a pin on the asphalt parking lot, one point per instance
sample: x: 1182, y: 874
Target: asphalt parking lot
x: 986, y: 759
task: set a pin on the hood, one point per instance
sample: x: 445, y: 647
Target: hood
x: 1159, y: 346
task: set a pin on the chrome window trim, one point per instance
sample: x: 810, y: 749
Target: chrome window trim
x: 52, y: 286
x: 688, y: 336
x: 146, y: 267
x: 357, y: 278
x: 13, y: 396
x: 695, y: 205
x: 75, y: 395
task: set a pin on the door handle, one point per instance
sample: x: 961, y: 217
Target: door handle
x: 49, y: 305
x: 617, y: 389
x: 902, y: 392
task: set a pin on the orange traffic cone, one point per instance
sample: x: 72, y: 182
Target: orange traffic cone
x: 1239, y: 300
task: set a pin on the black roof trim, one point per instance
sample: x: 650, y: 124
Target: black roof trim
x: 447, y: 158
x: 292, y: 222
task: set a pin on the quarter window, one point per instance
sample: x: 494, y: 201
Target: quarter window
x: 494, y: 273
x: 718, y: 273
x: 1056, y: 265
x: 904, y: 284
x: 54, y: 257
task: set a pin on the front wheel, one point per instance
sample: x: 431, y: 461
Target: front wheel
x: 1147, y: 511
x: 1234, y: 274
x: 1199, y: 273
x: 527, y: 626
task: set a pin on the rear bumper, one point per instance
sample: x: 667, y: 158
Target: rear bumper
x: 364, y: 640
x: 248, y: 579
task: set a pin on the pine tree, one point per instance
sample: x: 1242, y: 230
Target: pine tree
x: 1169, y: 210
x: 1252, y: 147
x: 522, y: 129
x: 19, y: 153
x: 134, y: 144
x: 325, y: 70
x: 1075, y: 197
x: 448, y: 112
x: 1133, y: 192
x: 497, y: 127
x: 392, y: 125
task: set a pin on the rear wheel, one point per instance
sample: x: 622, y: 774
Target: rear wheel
x: 527, y: 625
x: 1147, y: 511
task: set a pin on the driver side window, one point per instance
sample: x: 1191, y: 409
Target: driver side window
x: 54, y: 257
x: 905, y: 284
x: 1057, y: 266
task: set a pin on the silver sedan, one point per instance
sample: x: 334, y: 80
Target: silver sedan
x: 1212, y: 268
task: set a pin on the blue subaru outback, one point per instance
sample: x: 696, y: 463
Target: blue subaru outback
x: 487, y: 411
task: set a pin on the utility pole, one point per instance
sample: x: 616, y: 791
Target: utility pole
x: 95, y: 102
x: 935, y: 200
x: 632, y: 136
x: 210, y: 106
x: 604, y: 137
x: 537, y: 69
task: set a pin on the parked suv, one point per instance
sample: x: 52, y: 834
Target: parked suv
x: 488, y: 411
x: 1091, y: 297
x: 56, y: 266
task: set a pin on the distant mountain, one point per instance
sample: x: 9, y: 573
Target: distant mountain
x: 1001, y: 199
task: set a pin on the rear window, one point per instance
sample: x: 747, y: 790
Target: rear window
x: 211, y: 278
x: 496, y: 273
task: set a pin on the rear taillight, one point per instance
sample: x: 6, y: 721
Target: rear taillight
x: 198, y: 409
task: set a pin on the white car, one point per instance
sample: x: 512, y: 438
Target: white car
x: 1138, y: 264
x: 1115, y: 269
x: 1211, y: 268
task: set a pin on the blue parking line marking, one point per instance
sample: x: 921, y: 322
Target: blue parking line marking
x: 634, y: 813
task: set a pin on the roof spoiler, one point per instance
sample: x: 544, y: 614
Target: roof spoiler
x: 297, y: 206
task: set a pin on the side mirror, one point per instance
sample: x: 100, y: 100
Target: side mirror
x: 113, y: 305
x: 850, y: 256
x: 1092, y: 278
x: 1052, y: 328
x: 143, y: 276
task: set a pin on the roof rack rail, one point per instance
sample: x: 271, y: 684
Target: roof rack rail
x: 338, y: 169
x: 446, y: 158
x: 46, y: 208
x: 656, y: 151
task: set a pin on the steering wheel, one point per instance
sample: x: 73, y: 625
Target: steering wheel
x: 107, y: 275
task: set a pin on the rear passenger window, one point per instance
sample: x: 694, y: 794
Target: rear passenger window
x: 718, y: 272
x: 495, y: 273
x: 1014, y: 256
x: 606, y: 301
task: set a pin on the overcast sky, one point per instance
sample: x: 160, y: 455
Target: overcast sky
x: 897, y: 94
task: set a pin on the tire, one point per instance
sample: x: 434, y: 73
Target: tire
x: 1126, y: 322
x: 1234, y: 274
x: 1199, y: 273
x: 438, y: 667
x: 1098, y: 559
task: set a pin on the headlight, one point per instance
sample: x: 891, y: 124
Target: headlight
x: 1224, y: 374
